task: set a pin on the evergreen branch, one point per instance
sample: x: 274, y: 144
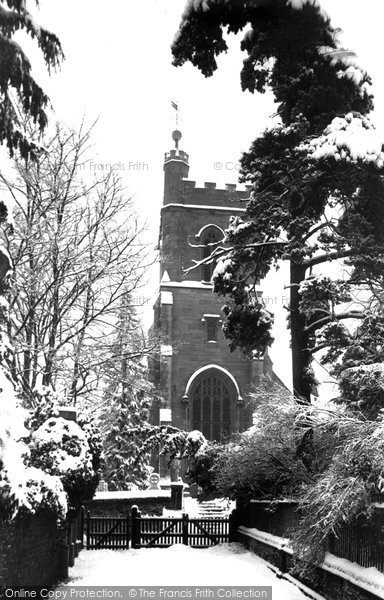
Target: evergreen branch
x: 352, y: 314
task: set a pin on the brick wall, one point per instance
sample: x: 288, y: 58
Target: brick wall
x: 31, y: 551
x: 119, y: 507
x: 280, y: 521
x: 191, y: 351
x: 180, y: 225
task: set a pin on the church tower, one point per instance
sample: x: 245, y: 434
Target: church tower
x: 203, y: 384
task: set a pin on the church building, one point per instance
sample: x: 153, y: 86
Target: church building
x: 204, y: 386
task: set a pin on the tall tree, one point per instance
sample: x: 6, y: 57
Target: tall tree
x: 21, y: 99
x: 77, y: 252
x: 317, y: 176
x: 20, y: 96
x: 127, y: 402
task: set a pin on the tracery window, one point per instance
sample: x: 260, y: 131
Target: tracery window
x: 212, y: 398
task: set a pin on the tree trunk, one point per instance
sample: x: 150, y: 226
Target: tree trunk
x: 300, y: 355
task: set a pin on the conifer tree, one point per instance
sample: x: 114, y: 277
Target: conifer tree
x: 20, y: 96
x: 126, y: 406
x: 317, y: 176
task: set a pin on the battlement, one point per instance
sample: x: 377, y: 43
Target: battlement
x: 176, y: 154
x: 210, y: 195
x: 210, y: 185
x: 178, y: 189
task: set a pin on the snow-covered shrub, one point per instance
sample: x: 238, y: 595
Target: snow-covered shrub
x: 60, y: 447
x: 362, y: 388
x: 45, y: 492
x: 263, y: 462
x: 267, y: 460
x: 169, y: 441
x: 22, y: 488
x: 194, y: 442
x: 345, y: 490
x: 203, y: 467
x: 46, y: 403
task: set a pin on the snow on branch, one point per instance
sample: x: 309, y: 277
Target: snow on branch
x: 351, y: 138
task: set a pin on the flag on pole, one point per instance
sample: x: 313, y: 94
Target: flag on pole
x: 174, y: 105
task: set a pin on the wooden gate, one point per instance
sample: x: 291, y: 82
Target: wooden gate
x: 149, y: 532
x: 107, y: 532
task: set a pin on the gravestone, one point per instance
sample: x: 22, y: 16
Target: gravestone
x: 103, y: 486
x: 154, y: 481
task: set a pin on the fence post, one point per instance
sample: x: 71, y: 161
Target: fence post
x: 283, y: 561
x: 88, y: 530
x: 233, y: 525
x: 127, y: 522
x: 81, y: 534
x: 71, y: 545
x: 63, y: 561
x: 177, y: 495
x: 185, y: 520
x: 135, y: 526
x: 76, y: 527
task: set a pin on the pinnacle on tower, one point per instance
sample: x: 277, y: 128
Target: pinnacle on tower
x: 176, y: 136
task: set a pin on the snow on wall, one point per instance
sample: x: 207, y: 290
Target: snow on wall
x: 129, y: 494
x: 267, y: 538
x: 370, y: 579
x: 367, y: 578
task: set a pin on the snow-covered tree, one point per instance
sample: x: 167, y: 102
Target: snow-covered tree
x: 346, y: 489
x: 127, y: 402
x: 21, y: 98
x: 20, y: 95
x: 23, y: 486
x: 169, y: 441
x: 65, y: 449
x: 76, y: 249
x: 317, y: 175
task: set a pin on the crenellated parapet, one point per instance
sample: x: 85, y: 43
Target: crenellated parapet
x: 210, y: 195
x: 176, y: 154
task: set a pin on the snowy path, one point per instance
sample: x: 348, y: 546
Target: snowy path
x: 228, y: 564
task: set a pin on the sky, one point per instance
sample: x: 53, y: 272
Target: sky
x: 118, y: 71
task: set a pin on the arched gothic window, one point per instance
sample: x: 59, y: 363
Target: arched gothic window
x: 213, y: 404
x: 211, y: 236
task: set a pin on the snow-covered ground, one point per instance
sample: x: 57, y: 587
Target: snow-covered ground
x: 224, y: 565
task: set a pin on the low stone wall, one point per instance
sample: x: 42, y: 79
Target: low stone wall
x: 150, y: 502
x: 32, y: 552
x: 329, y: 585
